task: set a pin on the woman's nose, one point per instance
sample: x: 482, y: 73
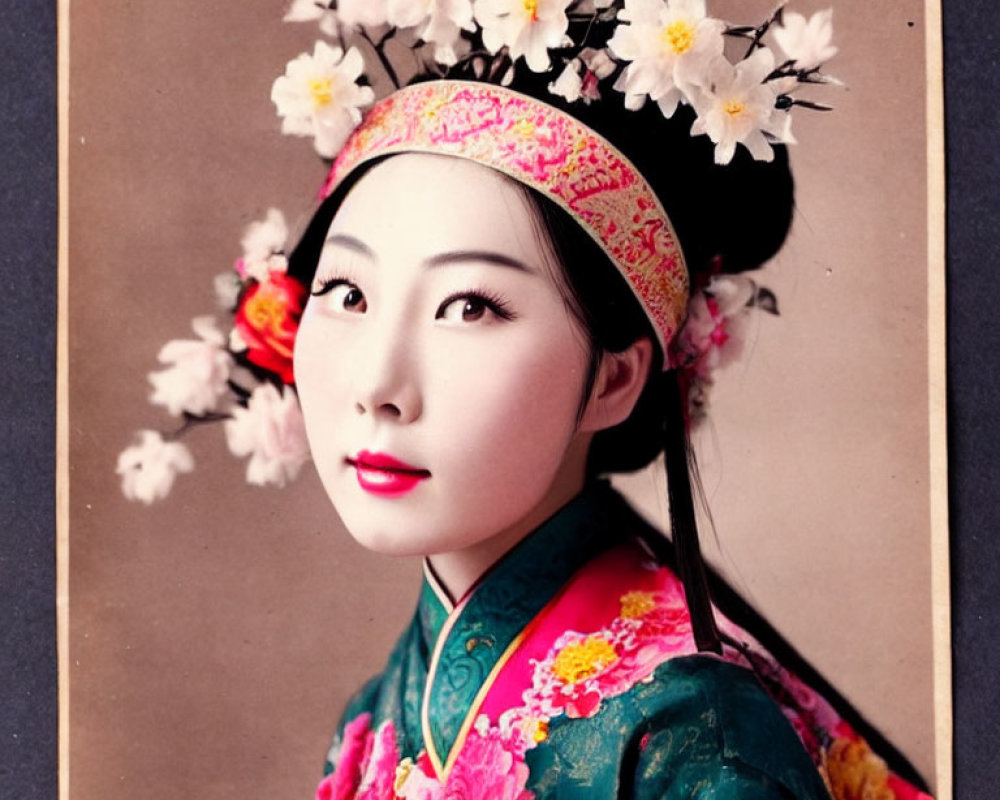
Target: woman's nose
x: 388, y: 379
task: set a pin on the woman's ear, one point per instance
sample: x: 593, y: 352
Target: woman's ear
x: 619, y: 382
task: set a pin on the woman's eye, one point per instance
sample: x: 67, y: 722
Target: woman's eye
x: 472, y: 308
x: 344, y: 296
x: 463, y: 309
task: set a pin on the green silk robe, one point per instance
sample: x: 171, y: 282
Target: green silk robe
x: 569, y: 671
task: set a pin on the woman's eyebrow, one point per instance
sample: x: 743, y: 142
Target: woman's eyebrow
x: 488, y: 256
x: 350, y: 243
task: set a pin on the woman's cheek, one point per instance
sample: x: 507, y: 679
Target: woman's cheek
x: 511, y: 428
x: 321, y: 387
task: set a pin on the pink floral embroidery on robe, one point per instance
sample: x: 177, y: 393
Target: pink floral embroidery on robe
x: 366, y: 768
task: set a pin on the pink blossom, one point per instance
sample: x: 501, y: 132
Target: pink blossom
x: 417, y: 781
x: 342, y: 782
x: 581, y: 670
x: 811, y: 705
x: 380, y: 770
x: 715, y: 330
x: 366, y: 767
x: 490, y: 767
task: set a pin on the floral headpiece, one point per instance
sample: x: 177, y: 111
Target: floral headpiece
x: 631, y: 51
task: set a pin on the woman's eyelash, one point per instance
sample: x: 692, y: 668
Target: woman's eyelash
x: 329, y: 284
x: 493, y: 301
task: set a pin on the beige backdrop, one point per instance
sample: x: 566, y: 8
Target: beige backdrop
x: 215, y: 636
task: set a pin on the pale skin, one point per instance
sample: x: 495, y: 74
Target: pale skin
x: 438, y: 334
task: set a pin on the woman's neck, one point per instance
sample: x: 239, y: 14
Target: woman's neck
x: 457, y: 571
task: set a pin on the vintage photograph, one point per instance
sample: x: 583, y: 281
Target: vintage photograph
x: 505, y: 399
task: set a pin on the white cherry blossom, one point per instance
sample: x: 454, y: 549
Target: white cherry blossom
x: 271, y: 431
x: 198, y: 374
x: 580, y: 77
x: 440, y: 22
x: 313, y: 10
x: 738, y: 108
x: 569, y: 84
x: 319, y: 96
x: 530, y: 28
x: 366, y: 13
x: 669, y: 45
x: 149, y: 468
x: 807, y: 43
x: 349, y: 13
x: 263, y: 246
x: 227, y: 289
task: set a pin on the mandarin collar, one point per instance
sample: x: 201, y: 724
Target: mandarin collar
x: 469, y: 641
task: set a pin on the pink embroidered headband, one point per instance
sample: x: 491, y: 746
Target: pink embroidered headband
x: 553, y: 153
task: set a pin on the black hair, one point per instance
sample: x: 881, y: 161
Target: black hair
x: 728, y: 218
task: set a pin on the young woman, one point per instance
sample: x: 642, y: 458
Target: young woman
x: 514, y: 284
x: 494, y: 293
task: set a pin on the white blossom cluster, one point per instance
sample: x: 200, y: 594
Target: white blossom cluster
x: 202, y: 382
x: 665, y: 51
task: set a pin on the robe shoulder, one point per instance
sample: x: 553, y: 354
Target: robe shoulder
x: 701, y: 728
x: 393, y: 693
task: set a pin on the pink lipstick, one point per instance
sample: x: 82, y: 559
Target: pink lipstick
x: 381, y: 474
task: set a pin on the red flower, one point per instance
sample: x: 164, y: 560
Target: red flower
x: 268, y: 319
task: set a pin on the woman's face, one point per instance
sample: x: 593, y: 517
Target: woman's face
x: 439, y: 367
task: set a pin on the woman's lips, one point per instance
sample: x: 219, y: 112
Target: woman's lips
x: 381, y: 474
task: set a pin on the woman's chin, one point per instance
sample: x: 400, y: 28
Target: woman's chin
x: 399, y: 532
x: 393, y: 542
x: 384, y: 526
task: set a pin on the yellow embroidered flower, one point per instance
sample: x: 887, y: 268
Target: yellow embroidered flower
x: 855, y: 772
x: 637, y: 604
x: 580, y: 660
x: 402, y: 773
x: 525, y: 128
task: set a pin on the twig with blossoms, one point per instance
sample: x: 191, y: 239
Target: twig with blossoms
x: 670, y: 52
x: 806, y: 46
x: 244, y: 381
